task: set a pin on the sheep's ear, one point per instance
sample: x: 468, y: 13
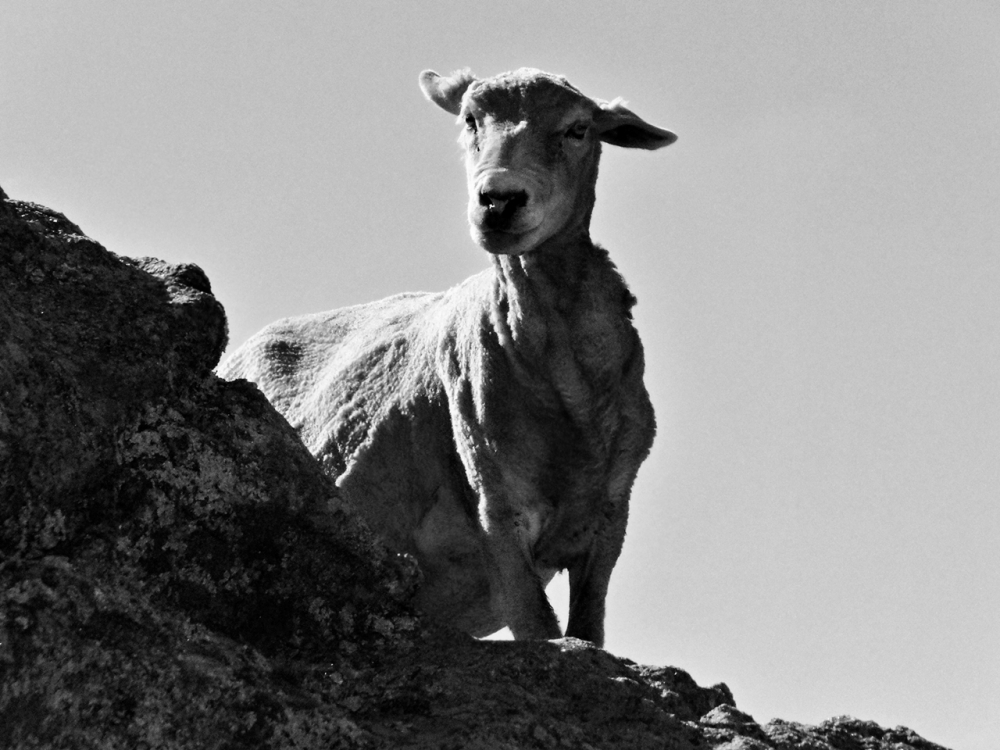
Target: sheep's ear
x: 620, y: 126
x: 446, y: 91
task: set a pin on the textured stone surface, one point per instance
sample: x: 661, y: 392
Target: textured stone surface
x: 177, y: 572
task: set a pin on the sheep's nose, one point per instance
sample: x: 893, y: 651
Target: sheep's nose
x: 499, y: 201
x: 501, y: 206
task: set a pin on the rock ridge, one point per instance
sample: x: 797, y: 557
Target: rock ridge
x: 176, y: 571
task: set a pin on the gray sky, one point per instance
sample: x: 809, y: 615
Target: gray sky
x: 817, y: 262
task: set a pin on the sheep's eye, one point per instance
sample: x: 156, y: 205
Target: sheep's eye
x: 470, y: 123
x: 578, y: 131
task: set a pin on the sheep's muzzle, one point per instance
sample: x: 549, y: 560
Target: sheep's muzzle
x: 500, y: 209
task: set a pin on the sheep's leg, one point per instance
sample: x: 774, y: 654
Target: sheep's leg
x: 526, y: 609
x: 588, y: 590
x: 588, y: 582
x: 502, y: 513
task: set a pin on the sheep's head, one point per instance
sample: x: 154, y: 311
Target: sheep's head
x: 532, y: 143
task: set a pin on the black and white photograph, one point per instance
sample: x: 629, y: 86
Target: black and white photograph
x: 535, y: 374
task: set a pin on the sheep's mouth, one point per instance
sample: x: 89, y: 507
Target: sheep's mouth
x: 513, y: 216
x: 505, y: 222
x: 511, y: 219
x: 504, y: 241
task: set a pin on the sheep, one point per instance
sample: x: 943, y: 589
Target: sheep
x: 492, y: 431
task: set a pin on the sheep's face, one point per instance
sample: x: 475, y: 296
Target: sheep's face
x: 531, y: 162
x: 532, y: 144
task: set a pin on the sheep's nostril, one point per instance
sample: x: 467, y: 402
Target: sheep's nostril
x: 519, y: 199
x: 503, y: 203
x: 502, y: 208
x: 492, y: 201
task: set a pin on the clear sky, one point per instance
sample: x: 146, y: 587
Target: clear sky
x: 817, y: 263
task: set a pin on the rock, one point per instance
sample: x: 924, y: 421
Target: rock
x: 176, y: 571
x: 843, y: 733
x: 164, y: 534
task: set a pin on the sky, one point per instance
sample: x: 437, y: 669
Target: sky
x: 817, y: 264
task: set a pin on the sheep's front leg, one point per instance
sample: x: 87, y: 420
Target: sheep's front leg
x: 588, y: 580
x: 588, y: 591
x: 526, y: 609
x: 504, y: 499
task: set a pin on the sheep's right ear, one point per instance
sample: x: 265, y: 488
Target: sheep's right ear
x: 446, y: 91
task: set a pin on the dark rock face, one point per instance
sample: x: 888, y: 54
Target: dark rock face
x: 160, y: 529
x: 176, y: 571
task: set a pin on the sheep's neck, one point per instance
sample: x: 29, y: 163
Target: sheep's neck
x: 533, y: 293
x: 548, y: 306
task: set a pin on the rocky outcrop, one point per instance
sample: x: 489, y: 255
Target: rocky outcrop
x: 176, y: 571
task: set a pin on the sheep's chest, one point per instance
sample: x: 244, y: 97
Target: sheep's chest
x: 558, y: 472
x: 557, y: 400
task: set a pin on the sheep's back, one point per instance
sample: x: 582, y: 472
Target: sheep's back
x: 312, y: 366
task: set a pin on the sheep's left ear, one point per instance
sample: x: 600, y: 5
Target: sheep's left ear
x: 620, y: 126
